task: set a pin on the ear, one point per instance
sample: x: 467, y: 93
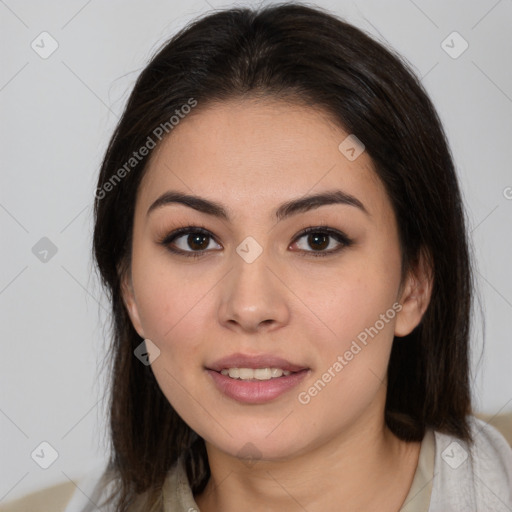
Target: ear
x: 130, y: 303
x: 415, y: 296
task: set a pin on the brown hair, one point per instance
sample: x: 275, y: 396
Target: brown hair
x: 293, y: 51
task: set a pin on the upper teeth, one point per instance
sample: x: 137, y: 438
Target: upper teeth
x: 258, y: 373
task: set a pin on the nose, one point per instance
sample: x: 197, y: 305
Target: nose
x: 253, y: 298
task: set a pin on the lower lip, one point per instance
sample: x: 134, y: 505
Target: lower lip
x: 256, y: 391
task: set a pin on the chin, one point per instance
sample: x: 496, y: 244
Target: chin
x: 256, y: 444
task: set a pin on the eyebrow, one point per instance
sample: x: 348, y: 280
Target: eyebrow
x: 285, y: 210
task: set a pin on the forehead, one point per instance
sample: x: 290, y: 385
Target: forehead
x: 257, y: 153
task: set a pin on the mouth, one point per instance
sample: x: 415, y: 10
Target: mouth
x: 254, y: 373
x: 255, y: 379
x: 260, y: 362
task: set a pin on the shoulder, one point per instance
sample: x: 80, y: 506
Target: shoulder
x: 91, y: 494
x: 71, y: 496
x: 472, y: 476
x: 53, y: 498
x: 502, y: 422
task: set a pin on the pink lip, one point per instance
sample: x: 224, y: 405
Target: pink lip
x: 255, y: 391
x: 259, y: 361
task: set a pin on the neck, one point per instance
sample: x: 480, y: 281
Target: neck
x: 361, y: 467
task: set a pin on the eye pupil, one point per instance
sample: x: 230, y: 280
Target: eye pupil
x: 318, y: 241
x: 198, y: 241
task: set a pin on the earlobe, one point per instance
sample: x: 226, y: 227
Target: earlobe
x: 414, y: 299
x: 130, y: 303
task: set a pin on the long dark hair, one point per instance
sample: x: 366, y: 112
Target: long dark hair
x: 306, y: 55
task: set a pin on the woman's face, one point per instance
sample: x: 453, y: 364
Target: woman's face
x: 242, y: 280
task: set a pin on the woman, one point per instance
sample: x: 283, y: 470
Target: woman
x: 280, y: 228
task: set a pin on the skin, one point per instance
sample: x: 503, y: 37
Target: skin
x: 251, y: 156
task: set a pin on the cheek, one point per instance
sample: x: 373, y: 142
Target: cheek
x: 352, y: 299
x: 174, y: 308
x: 353, y: 352
x: 357, y: 307
x: 170, y: 300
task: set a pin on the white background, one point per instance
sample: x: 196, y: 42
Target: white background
x: 57, y: 115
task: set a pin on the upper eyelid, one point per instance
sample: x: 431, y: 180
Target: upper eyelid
x: 323, y: 229
x: 199, y: 229
x: 340, y: 236
x: 171, y: 237
x: 175, y: 233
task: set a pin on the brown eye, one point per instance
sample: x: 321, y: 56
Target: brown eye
x: 198, y: 241
x: 190, y: 241
x: 318, y: 241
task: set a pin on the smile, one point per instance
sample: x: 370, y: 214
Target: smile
x: 254, y: 373
x: 247, y: 388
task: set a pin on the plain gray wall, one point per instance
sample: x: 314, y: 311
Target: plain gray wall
x: 57, y: 115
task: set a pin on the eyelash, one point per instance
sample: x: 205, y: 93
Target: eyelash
x: 187, y: 230
x: 337, y: 235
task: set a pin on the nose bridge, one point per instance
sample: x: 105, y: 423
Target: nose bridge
x: 251, y: 295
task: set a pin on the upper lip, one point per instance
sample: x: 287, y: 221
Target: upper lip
x: 255, y: 361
